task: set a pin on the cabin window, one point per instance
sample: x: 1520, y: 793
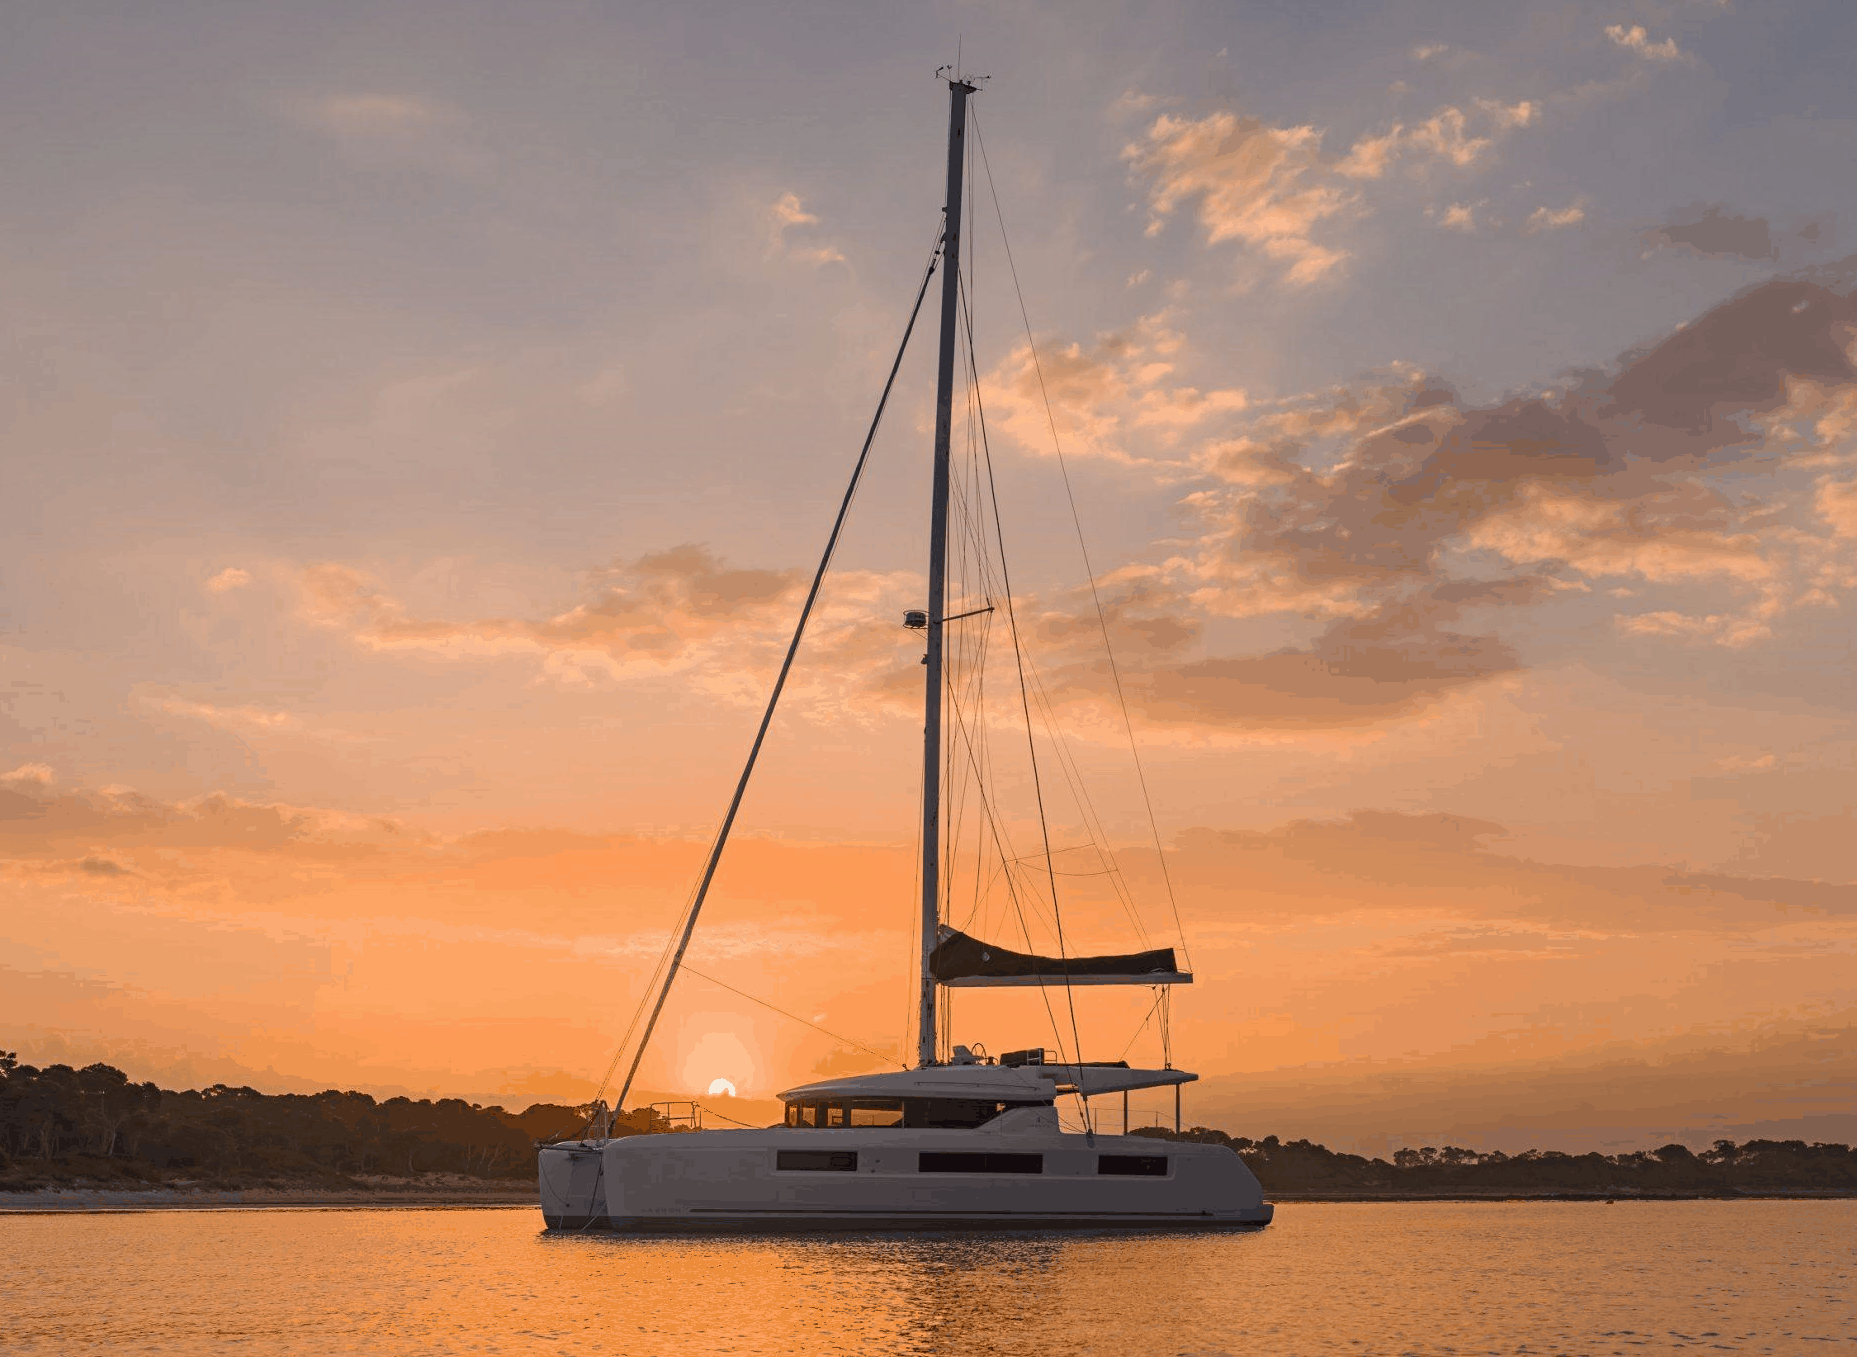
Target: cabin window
x: 965, y: 1161
x: 960, y: 1114
x: 956, y: 1113
x: 1133, y: 1165
x: 817, y: 1161
x: 876, y: 1111
x: 813, y: 1114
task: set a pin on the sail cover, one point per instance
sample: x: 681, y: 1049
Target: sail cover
x: 961, y: 960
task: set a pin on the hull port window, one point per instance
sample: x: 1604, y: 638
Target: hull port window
x: 1133, y: 1165
x: 817, y: 1161
x: 963, y: 1161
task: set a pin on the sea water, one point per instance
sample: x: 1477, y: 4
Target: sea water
x: 1500, y: 1277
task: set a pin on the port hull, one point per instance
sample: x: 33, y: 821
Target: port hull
x: 733, y: 1182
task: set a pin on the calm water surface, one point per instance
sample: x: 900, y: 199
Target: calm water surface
x: 1345, y: 1278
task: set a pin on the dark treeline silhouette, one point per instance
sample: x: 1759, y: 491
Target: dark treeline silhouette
x: 1755, y: 1166
x: 60, y: 1125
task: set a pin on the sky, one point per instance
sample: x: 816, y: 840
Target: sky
x: 420, y: 423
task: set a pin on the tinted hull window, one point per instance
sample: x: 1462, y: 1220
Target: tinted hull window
x: 1133, y: 1165
x: 818, y: 1161
x: 966, y: 1162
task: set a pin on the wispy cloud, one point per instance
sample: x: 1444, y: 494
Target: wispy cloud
x: 1267, y: 187
x: 1554, y: 218
x: 1117, y: 398
x: 1638, y: 42
x: 786, y: 214
x: 382, y: 115
x: 229, y: 718
x: 1274, y: 191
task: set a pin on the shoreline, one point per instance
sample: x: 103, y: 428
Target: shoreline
x: 85, y: 1197
x: 107, y: 1201
x: 1570, y: 1195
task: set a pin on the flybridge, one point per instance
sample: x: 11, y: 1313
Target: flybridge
x: 967, y: 1078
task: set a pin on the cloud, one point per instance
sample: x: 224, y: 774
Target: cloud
x: 1458, y: 216
x: 228, y: 718
x: 1441, y: 52
x: 228, y: 579
x: 1713, y: 232
x: 1440, y: 865
x: 29, y: 775
x: 652, y: 612
x: 1396, y: 530
x: 1733, y: 632
x: 393, y: 130
x: 1554, y: 218
x: 1355, y: 674
x: 1272, y: 189
x: 1110, y: 399
x: 1135, y: 103
x: 1443, y: 137
x: 682, y: 610
x: 1407, y: 523
x: 381, y: 115
x: 1523, y: 113
x: 783, y: 215
x: 39, y: 822
x: 1837, y: 503
x: 1267, y: 187
x: 1635, y: 40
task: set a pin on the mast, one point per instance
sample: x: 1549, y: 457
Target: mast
x: 958, y: 90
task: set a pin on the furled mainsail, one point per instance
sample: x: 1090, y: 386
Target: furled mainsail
x: 966, y: 961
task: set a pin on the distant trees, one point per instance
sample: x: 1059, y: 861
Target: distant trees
x: 1756, y: 1166
x: 60, y: 1123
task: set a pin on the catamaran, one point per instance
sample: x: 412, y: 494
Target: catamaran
x: 963, y: 1140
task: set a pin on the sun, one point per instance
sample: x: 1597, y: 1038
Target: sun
x: 721, y: 1086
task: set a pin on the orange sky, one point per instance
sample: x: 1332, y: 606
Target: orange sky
x: 418, y: 449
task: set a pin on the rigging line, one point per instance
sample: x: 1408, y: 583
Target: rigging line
x: 1031, y: 744
x: 1080, y: 792
x: 644, y: 1000
x: 775, y: 1008
x: 711, y: 1112
x: 780, y: 681
x: 1000, y: 839
x: 1079, y: 789
x: 1162, y: 994
x: 1020, y: 657
x: 1072, y: 772
x: 1115, y: 672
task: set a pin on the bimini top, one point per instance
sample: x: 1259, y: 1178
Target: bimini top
x: 963, y: 961
x: 1001, y: 1083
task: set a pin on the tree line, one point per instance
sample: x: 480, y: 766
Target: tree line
x: 1726, y: 1168
x: 61, y: 1125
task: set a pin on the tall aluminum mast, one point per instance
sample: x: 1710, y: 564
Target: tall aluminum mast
x: 958, y: 90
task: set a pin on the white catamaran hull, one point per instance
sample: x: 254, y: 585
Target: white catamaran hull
x: 734, y: 1180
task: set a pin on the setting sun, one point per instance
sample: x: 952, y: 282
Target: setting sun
x: 721, y: 1086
